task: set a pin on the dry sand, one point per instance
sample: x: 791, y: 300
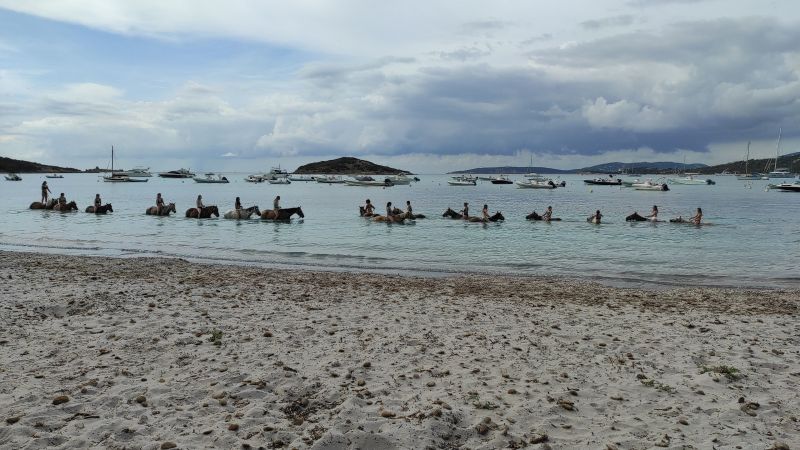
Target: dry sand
x: 150, y: 353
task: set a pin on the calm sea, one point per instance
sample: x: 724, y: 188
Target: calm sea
x: 754, y: 239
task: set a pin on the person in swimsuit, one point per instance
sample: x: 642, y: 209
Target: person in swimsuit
x: 159, y: 203
x: 199, y: 205
x: 276, y: 205
x: 595, y: 218
x: 485, y: 212
x: 548, y: 214
x: 97, y: 201
x: 238, y: 204
x: 409, y: 209
x: 45, y: 192
x: 369, y: 208
x: 653, y: 214
x: 465, y: 211
x: 389, y: 211
x: 697, y: 219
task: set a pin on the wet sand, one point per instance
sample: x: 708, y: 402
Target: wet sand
x: 151, y: 353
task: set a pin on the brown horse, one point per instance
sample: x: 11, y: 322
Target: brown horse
x: 100, y: 210
x: 394, y: 218
x: 363, y: 212
x: 284, y: 214
x: 71, y: 206
x: 452, y: 214
x: 165, y: 210
x: 40, y: 205
x: 205, y: 213
x: 498, y: 216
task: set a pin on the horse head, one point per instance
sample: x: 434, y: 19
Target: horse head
x: 533, y: 216
x: 109, y: 208
x: 497, y: 216
x: 448, y: 213
x: 254, y: 209
x: 171, y: 208
x: 72, y: 206
x: 361, y: 211
x: 213, y: 210
x: 300, y: 212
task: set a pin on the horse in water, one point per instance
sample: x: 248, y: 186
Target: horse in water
x: 71, y: 206
x: 535, y: 216
x: 394, y: 218
x: 39, y: 205
x: 165, y: 210
x: 205, y: 213
x: 363, y: 212
x: 283, y: 213
x: 101, y: 209
x: 452, y: 214
x: 498, y: 216
x: 244, y: 213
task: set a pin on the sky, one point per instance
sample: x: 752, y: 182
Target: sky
x: 428, y: 86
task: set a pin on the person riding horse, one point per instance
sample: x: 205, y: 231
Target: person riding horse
x: 159, y: 203
x: 97, y: 201
x: 199, y: 205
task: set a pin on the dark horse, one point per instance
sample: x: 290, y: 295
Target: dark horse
x: 101, y: 209
x: 205, y: 213
x: 165, y: 210
x: 635, y: 217
x: 498, y: 216
x: 395, y: 212
x: 283, y: 213
x: 534, y: 216
x: 71, y: 206
x: 39, y: 205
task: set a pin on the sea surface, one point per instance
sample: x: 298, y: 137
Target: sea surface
x: 752, y: 240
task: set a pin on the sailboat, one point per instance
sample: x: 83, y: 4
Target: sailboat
x: 118, y: 177
x: 747, y: 175
x: 779, y: 172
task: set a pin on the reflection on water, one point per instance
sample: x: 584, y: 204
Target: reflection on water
x: 752, y: 241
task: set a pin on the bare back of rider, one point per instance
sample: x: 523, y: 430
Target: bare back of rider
x: 159, y: 204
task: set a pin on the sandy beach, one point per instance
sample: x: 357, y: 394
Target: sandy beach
x: 157, y: 353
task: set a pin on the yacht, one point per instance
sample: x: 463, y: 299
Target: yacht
x: 211, y: 178
x: 781, y: 173
x: 180, y: 173
x: 138, y: 172
x: 13, y: 177
x: 464, y: 180
x: 120, y: 177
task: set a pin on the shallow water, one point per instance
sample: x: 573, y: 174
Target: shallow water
x: 753, y: 239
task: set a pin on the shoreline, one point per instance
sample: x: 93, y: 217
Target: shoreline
x: 619, y: 282
x: 154, y: 351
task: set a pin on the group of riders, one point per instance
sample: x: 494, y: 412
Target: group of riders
x: 160, y: 204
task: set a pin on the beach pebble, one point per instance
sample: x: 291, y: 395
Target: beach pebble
x: 779, y: 446
x: 168, y: 444
x: 218, y: 395
x: 387, y: 413
x: 482, y: 428
x: 512, y: 391
x: 12, y: 420
x: 60, y: 399
x: 566, y: 404
x: 431, y: 383
x: 297, y: 421
x: 233, y: 427
x: 367, y: 365
x: 683, y: 421
x: 142, y: 400
x: 538, y: 437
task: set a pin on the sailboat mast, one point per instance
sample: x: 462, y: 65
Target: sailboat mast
x: 777, y: 149
x: 747, y: 160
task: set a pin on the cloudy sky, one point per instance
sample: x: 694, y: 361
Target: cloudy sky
x: 429, y: 86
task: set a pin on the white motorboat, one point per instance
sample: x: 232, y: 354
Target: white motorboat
x: 788, y: 187
x: 462, y: 181
x: 279, y: 181
x: 375, y: 183
x: 330, y: 179
x: 211, y: 178
x: 401, y: 179
x: 276, y: 173
x: 690, y: 179
x: 650, y: 185
x: 536, y: 184
x: 301, y: 178
x: 13, y: 177
x: 254, y: 179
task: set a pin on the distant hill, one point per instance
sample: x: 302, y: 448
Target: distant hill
x: 19, y: 166
x: 347, y: 166
x: 511, y: 170
x: 644, y: 167
x: 789, y: 161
